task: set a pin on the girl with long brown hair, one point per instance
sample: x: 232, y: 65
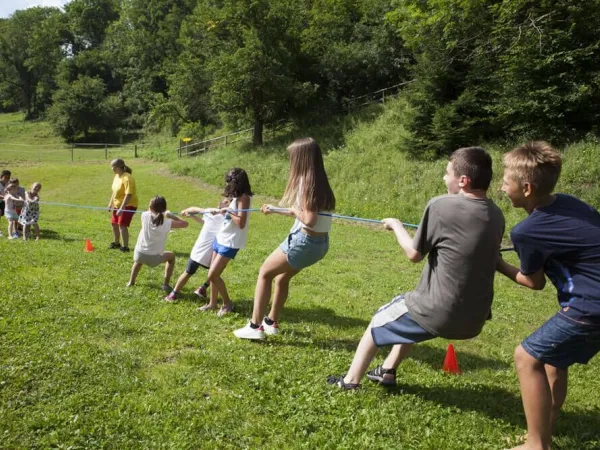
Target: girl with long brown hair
x: 307, y: 194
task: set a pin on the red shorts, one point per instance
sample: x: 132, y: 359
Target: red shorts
x: 124, y: 220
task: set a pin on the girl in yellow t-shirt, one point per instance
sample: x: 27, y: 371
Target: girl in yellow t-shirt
x: 123, y: 204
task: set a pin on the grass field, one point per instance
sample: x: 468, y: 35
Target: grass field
x: 87, y: 363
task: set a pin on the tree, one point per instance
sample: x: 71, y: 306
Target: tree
x: 30, y: 50
x: 250, y: 51
x: 82, y: 106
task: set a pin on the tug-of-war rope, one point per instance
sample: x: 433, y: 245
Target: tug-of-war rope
x: 334, y: 216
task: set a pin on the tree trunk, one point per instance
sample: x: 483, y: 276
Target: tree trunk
x: 257, y: 135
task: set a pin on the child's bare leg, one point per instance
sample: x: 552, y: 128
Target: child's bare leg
x: 135, y: 270
x: 169, y: 266
x: 26, y: 229
x: 181, y: 281
x: 395, y: 357
x: 282, y: 287
x: 36, y: 227
x: 116, y: 233
x: 557, y: 378
x: 537, y: 400
x: 365, y: 353
x: 275, y: 264
x: 124, y: 236
x: 217, y: 285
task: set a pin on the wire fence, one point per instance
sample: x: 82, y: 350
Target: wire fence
x: 68, y: 152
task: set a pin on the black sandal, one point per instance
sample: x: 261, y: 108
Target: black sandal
x: 377, y: 375
x: 338, y: 380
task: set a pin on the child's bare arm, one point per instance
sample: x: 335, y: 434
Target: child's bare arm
x: 535, y: 281
x: 403, y: 239
x: 177, y: 222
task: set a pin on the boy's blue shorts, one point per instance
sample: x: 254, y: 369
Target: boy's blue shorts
x: 222, y: 250
x: 562, y: 342
x: 392, y: 324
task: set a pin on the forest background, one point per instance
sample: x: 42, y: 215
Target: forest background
x: 476, y: 71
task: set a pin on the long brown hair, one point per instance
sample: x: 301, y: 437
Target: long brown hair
x: 308, y: 180
x: 237, y: 183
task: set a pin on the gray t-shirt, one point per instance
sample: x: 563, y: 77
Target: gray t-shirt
x: 462, y: 238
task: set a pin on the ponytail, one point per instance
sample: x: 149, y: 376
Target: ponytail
x: 158, y: 220
x: 120, y: 163
x: 158, y: 206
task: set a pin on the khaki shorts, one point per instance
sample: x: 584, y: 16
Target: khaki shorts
x: 148, y: 260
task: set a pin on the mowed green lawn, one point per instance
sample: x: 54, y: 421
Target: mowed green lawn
x: 87, y: 363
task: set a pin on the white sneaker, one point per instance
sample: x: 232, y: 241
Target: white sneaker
x: 250, y: 333
x: 271, y: 330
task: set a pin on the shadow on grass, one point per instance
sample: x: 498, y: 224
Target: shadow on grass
x: 497, y: 403
x: 53, y: 235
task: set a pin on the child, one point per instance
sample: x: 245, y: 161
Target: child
x: 21, y: 193
x: 30, y: 213
x: 11, y: 199
x: 308, y: 193
x: 232, y: 237
x: 4, y: 177
x: 461, y: 236
x: 201, y: 254
x: 150, y: 247
x: 560, y: 239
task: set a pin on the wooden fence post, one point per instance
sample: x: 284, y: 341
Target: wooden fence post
x: 72, y: 151
x: 105, y: 150
x: 135, y: 155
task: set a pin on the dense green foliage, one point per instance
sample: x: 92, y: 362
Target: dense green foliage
x: 482, y: 70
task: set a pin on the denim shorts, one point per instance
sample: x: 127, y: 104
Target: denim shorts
x: 392, y: 324
x: 303, y: 250
x: 562, y: 341
x: 222, y: 250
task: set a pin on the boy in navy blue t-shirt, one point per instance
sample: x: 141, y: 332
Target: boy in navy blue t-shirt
x: 559, y: 239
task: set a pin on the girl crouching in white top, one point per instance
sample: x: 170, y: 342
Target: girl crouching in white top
x: 150, y: 247
x: 310, y: 198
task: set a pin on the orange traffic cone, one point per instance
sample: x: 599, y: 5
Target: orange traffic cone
x: 88, y: 246
x: 450, y: 361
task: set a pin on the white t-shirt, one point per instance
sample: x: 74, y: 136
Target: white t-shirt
x: 202, y: 251
x: 152, y: 239
x: 230, y: 235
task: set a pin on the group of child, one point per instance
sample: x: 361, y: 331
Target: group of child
x: 21, y: 208
x: 460, y: 235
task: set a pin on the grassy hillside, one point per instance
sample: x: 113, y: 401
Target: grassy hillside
x: 370, y: 175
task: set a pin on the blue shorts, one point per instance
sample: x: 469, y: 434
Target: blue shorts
x: 303, y: 250
x: 562, y: 342
x: 392, y: 324
x: 222, y: 250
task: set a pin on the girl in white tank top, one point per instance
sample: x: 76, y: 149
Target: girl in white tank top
x: 307, y: 194
x: 232, y: 237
